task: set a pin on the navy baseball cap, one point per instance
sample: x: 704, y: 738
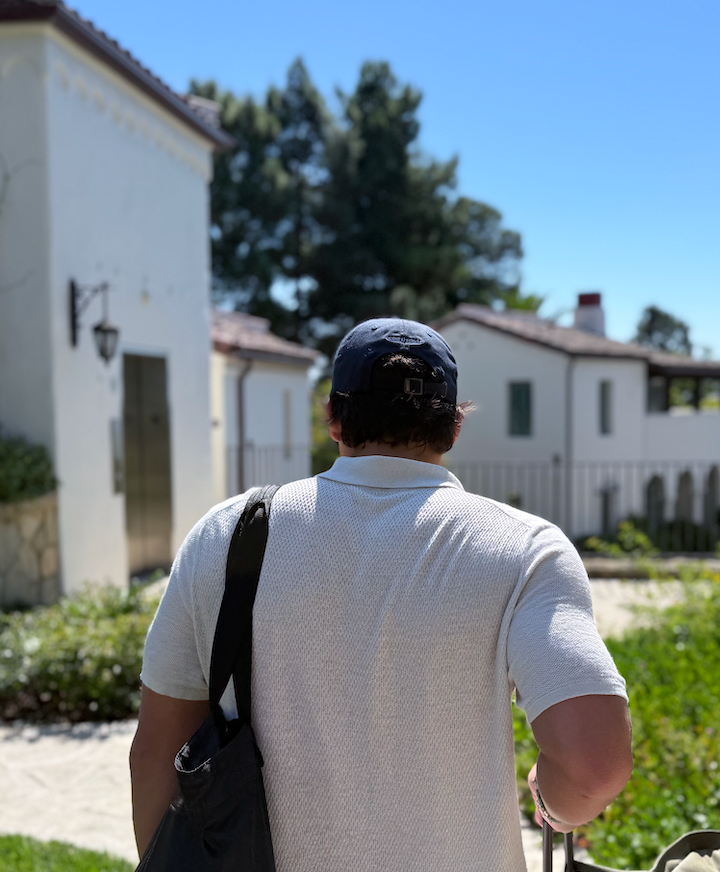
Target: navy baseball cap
x: 364, y: 344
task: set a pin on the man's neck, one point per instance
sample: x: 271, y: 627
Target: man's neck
x: 409, y: 452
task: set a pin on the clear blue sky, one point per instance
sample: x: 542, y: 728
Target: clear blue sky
x: 593, y: 127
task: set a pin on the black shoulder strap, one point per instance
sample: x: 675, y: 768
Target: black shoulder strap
x: 232, y: 646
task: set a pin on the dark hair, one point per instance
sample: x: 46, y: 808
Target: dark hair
x: 385, y: 414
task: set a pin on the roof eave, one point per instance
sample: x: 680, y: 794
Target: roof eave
x: 263, y: 356
x: 116, y: 59
x: 452, y: 319
x: 684, y: 370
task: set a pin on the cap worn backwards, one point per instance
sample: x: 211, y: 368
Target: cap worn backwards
x: 364, y: 344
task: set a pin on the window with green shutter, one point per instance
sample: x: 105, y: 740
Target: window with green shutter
x: 520, y: 409
x: 605, y: 407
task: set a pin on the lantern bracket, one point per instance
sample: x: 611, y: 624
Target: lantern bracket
x: 105, y: 334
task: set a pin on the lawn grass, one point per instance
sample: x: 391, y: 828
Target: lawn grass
x: 23, y: 854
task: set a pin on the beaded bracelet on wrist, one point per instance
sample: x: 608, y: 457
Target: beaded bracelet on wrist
x: 541, y: 805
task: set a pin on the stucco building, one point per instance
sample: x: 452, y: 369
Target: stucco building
x: 579, y: 428
x: 260, y: 405
x: 104, y: 177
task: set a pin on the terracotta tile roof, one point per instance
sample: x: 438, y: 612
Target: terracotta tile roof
x: 569, y: 340
x: 111, y: 53
x: 249, y: 337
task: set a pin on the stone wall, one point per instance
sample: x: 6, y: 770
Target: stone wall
x: 29, y: 566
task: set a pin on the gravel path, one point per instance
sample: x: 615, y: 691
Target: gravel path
x: 73, y: 783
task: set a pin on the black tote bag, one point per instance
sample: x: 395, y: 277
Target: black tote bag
x: 218, y: 820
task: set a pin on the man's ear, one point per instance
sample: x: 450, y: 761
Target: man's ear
x: 334, y: 427
x: 458, y: 426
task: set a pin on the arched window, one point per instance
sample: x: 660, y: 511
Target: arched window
x: 655, y: 504
x: 685, y: 497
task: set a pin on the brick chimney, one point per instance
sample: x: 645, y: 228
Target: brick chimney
x: 589, y: 315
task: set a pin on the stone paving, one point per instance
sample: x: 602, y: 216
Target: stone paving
x: 73, y: 783
x: 69, y: 783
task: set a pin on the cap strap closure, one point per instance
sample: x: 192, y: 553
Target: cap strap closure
x: 417, y: 387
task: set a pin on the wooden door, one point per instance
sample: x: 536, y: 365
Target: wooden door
x: 148, y: 497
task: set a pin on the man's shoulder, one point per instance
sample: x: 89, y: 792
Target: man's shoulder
x: 485, y: 509
x: 216, y: 526
x: 217, y: 518
x: 220, y: 521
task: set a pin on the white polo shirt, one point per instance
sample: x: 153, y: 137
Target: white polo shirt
x: 394, y: 616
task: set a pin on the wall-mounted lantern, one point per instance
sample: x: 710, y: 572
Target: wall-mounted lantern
x: 106, y: 336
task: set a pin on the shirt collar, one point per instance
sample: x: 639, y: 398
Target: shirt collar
x: 390, y: 472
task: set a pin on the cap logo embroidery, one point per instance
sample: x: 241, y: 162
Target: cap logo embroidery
x: 402, y: 339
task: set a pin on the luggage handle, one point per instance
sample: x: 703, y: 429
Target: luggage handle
x: 547, y: 852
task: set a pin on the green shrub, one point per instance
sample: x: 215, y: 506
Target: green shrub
x: 673, y: 676
x: 26, y: 470
x: 23, y: 854
x: 77, y: 660
x: 629, y: 541
x: 685, y: 536
x: 633, y: 539
x: 672, y: 669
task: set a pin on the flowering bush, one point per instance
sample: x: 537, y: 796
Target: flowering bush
x: 77, y: 660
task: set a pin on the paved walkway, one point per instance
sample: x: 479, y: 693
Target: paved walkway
x: 69, y: 783
x: 73, y: 783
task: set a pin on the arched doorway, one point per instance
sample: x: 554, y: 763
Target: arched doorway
x: 655, y: 505
x: 711, y: 505
x: 685, y: 497
x: 685, y: 533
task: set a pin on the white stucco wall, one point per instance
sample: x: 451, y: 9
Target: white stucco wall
x: 628, y: 401
x: 488, y: 361
x: 697, y: 432
x: 26, y: 402
x: 218, y: 433
x: 524, y: 470
x: 610, y: 472
x: 276, y: 450
x: 126, y: 202
x: 265, y: 386
x: 604, y: 464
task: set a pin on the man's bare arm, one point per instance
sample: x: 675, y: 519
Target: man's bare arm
x: 164, y: 725
x: 585, y: 757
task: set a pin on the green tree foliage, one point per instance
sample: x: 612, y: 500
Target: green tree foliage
x: 345, y: 213
x: 264, y: 195
x: 663, y: 331
x: 324, y: 450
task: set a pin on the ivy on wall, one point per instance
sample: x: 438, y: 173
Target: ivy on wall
x: 26, y: 470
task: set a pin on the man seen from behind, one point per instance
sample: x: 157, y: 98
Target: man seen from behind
x: 395, y: 616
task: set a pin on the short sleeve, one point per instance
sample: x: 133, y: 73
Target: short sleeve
x: 171, y: 664
x: 554, y: 649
